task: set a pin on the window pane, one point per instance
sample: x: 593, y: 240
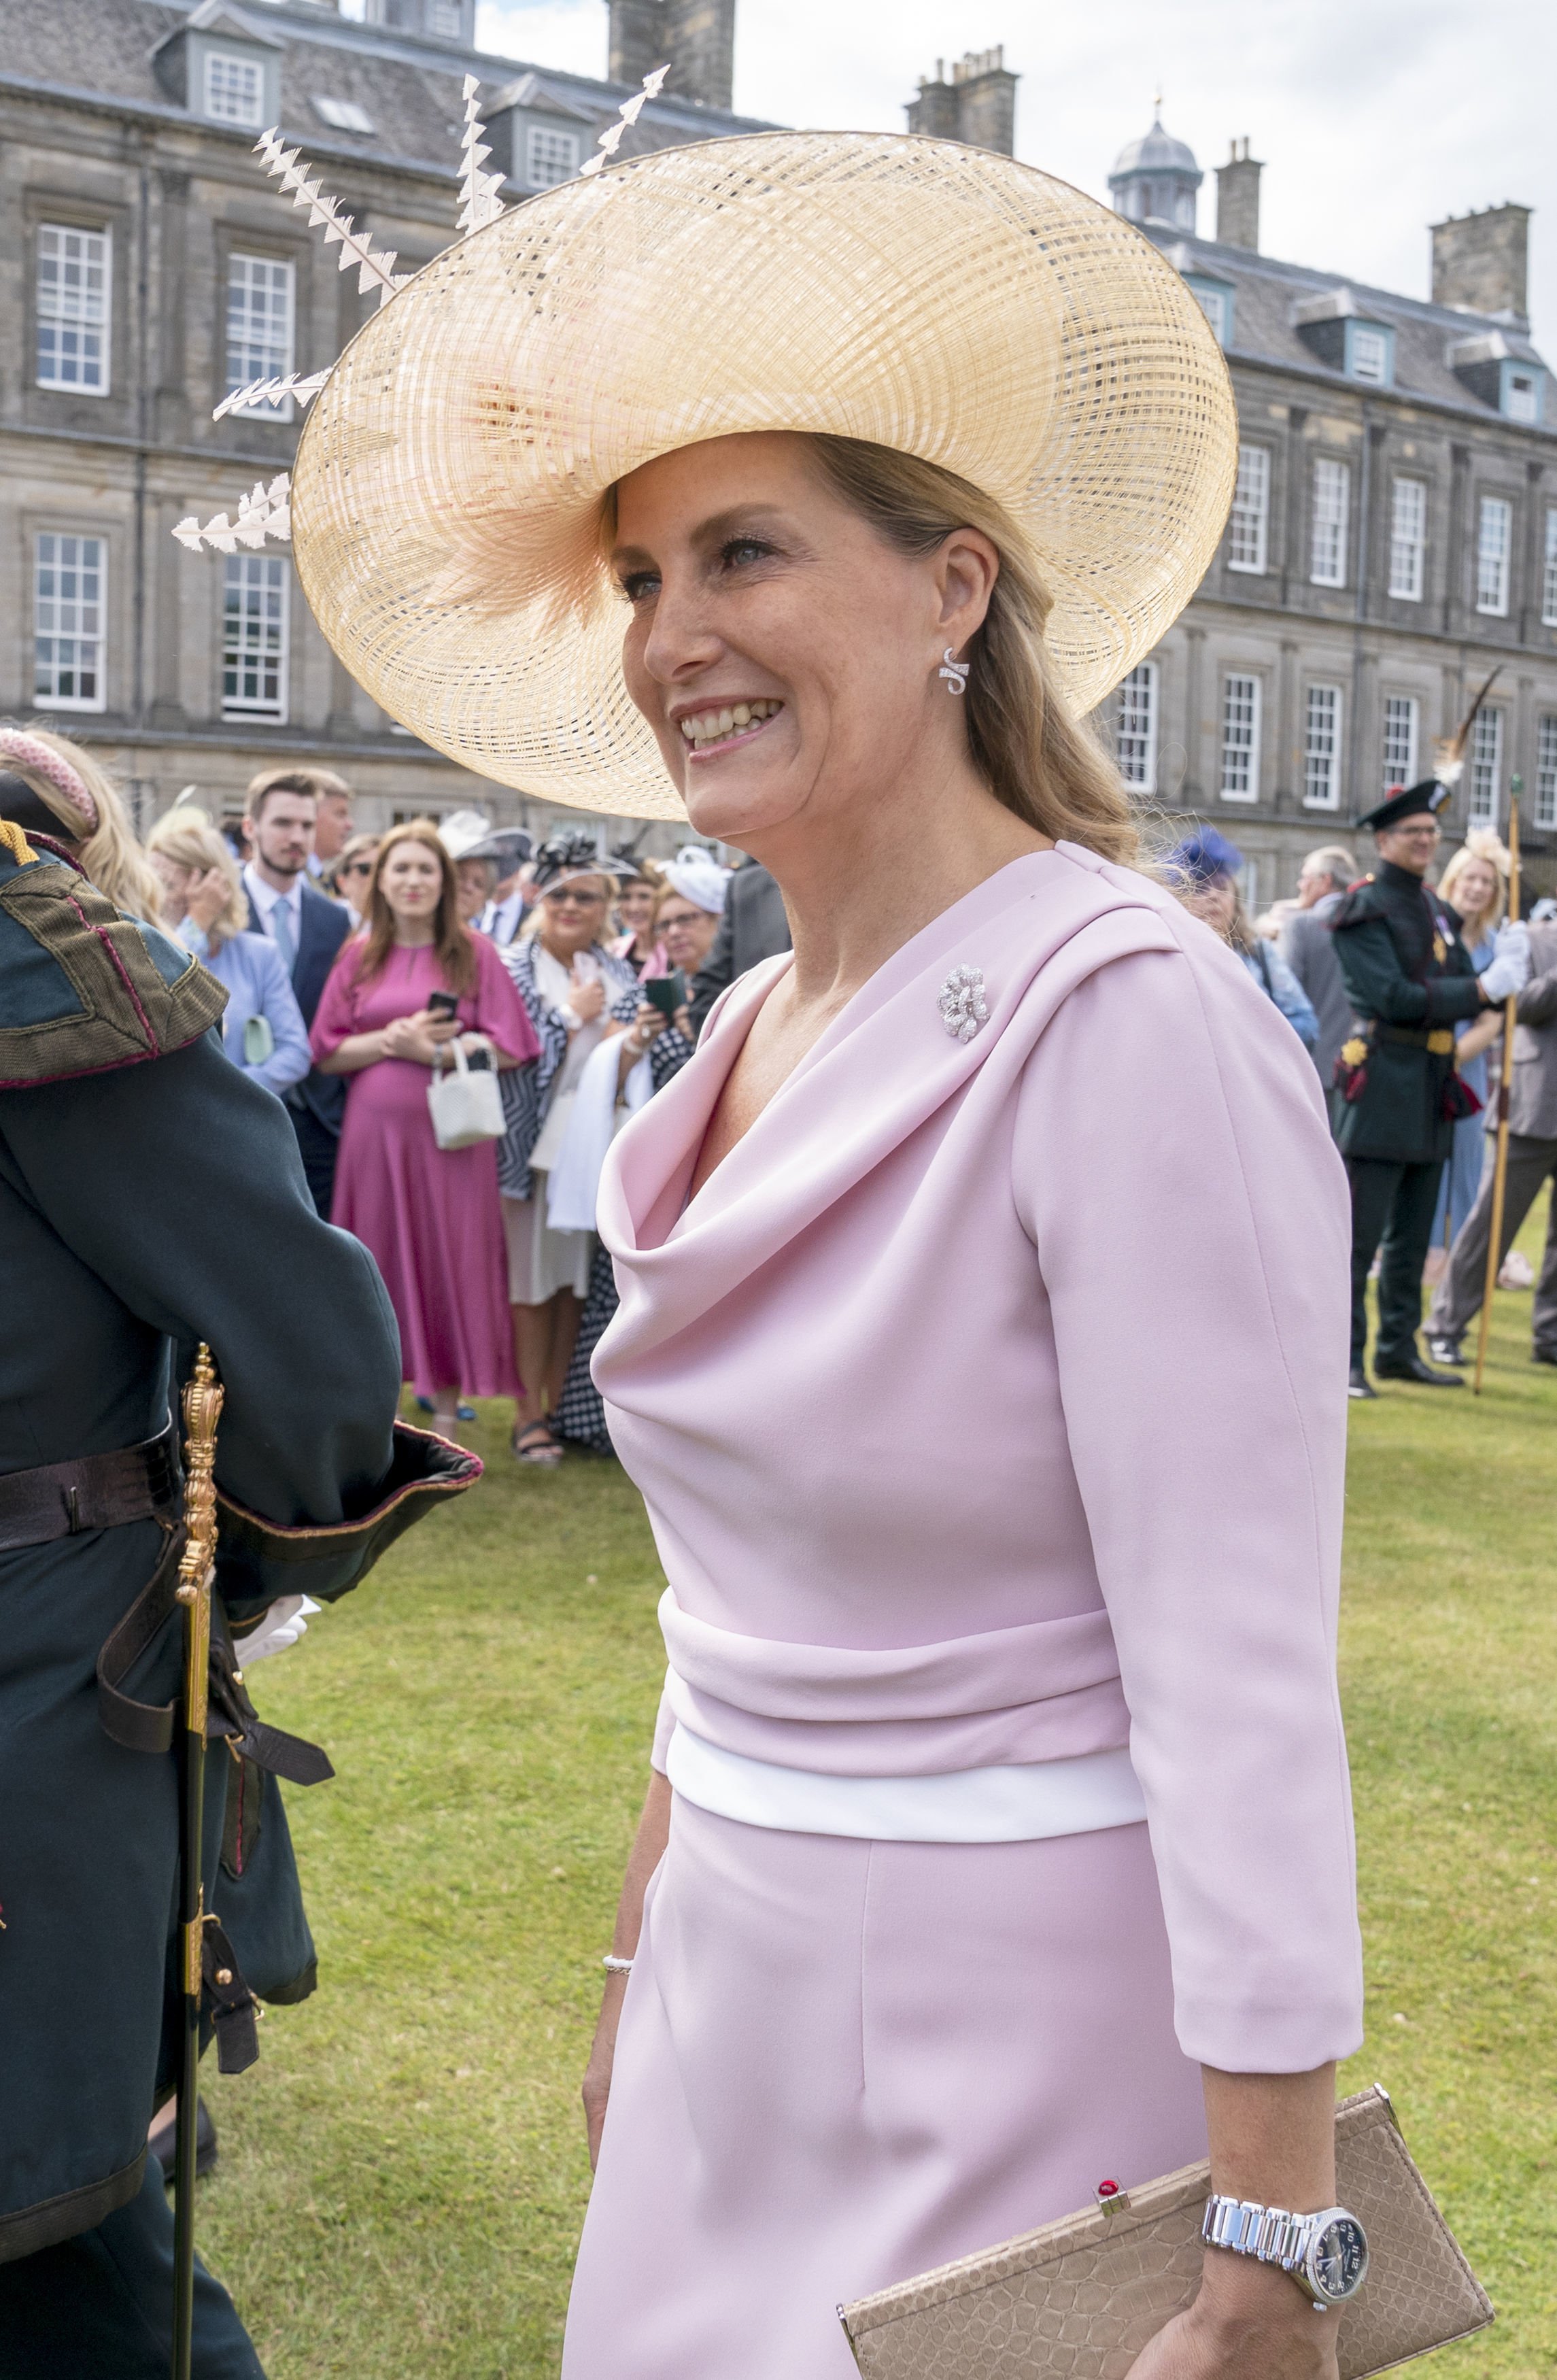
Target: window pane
x: 1332, y: 500
x: 1486, y: 768
x: 1400, y: 741
x: 1240, y: 739
x: 234, y: 88
x: 1213, y: 305
x: 1521, y: 405
x: 1138, y: 728
x: 67, y: 623
x: 1549, y: 572
x: 256, y: 591
x: 1251, y: 505
x: 74, y: 286
x: 1408, y: 538
x: 550, y: 156
x: 1370, y: 356
x: 1321, y: 750
x: 1492, y: 546
x: 260, y: 327
x: 1546, y: 768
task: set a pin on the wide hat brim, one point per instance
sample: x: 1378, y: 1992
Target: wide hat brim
x: 927, y: 296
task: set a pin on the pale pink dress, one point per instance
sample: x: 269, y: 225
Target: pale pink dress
x: 428, y: 1215
x: 989, y: 1401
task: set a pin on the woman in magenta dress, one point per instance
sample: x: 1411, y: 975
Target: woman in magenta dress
x: 430, y: 1214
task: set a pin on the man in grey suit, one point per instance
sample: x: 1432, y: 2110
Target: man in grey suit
x: 1308, y: 947
x: 1532, y: 1159
x: 754, y: 927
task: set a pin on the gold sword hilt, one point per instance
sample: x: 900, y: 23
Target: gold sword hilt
x: 202, y: 1402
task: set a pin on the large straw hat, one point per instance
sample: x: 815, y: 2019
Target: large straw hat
x: 935, y: 298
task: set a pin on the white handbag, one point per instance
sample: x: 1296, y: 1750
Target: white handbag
x: 464, y: 1104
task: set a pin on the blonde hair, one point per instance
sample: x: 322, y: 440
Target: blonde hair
x: 187, y: 837
x: 1047, y: 768
x: 1482, y: 843
x: 110, y: 855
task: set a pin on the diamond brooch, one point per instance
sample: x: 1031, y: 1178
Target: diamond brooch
x: 963, y: 1007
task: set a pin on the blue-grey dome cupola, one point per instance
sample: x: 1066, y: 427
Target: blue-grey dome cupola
x: 1155, y: 178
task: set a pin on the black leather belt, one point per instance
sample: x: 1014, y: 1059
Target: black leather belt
x: 92, y: 1491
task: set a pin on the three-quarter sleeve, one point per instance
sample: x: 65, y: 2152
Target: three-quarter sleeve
x: 334, y: 1019
x: 500, y: 1011
x: 1172, y: 1169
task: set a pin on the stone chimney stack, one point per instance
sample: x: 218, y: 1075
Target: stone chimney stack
x: 695, y: 38
x: 1480, y: 262
x: 1237, y: 198
x: 979, y: 105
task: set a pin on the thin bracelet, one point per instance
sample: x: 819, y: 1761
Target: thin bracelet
x: 614, y: 1966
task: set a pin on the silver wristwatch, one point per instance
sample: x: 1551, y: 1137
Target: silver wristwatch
x: 1326, y: 2254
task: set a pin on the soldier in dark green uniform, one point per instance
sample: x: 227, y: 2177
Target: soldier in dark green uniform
x: 1410, y: 979
x: 151, y: 1197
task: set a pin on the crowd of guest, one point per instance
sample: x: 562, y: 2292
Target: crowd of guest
x: 363, y: 970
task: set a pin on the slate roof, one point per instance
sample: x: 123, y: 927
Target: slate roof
x: 408, y: 84
x: 1267, y: 292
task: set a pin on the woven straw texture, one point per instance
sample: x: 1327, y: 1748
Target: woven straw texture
x: 930, y: 297
x: 1078, y: 2299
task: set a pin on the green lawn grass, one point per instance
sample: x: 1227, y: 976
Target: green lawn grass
x: 403, y: 2176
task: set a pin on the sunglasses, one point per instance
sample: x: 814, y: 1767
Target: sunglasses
x: 575, y: 899
x: 356, y: 868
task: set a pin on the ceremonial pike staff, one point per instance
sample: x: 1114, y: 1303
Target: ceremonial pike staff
x: 202, y: 1408
x: 1505, y: 1077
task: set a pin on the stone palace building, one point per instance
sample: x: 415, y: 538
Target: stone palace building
x: 1395, y: 533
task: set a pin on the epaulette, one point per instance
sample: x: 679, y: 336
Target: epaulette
x: 1360, y: 902
x: 84, y: 989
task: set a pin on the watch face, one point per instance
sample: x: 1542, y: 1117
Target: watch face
x: 1338, y: 2259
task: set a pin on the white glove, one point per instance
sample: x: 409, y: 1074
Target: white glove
x: 276, y: 1630
x: 1509, y: 969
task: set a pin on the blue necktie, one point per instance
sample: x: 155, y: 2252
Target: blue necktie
x: 281, y: 934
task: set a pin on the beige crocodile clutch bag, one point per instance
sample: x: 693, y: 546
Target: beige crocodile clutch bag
x: 1080, y: 2298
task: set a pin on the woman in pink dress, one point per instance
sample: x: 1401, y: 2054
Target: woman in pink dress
x: 983, y: 1346
x: 430, y: 1214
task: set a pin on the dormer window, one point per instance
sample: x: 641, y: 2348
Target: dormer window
x: 234, y: 89
x: 1522, y: 393
x: 551, y: 156
x: 1368, y: 354
x: 1215, y: 298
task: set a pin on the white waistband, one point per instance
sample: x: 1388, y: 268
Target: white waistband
x: 970, y: 1805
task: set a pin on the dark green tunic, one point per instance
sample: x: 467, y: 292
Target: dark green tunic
x: 153, y: 1202
x: 1410, y: 979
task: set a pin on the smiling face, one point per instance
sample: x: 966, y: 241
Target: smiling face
x: 635, y: 906
x: 573, y: 915
x: 411, y: 880
x: 783, y: 653
x: 1475, y: 889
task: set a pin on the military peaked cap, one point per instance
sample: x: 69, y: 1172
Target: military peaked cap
x: 1410, y: 801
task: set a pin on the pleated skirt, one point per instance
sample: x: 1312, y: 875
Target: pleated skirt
x: 840, y: 2063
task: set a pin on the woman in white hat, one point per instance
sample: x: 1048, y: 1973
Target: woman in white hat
x: 998, y: 1837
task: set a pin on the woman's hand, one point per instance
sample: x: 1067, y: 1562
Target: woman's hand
x: 419, y: 1037
x: 649, y: 1844
x: 206, y: 898
x: 587, y: 998
x: 1251, y: 2322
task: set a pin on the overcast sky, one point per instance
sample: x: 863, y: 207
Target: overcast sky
x: 1374, y: 117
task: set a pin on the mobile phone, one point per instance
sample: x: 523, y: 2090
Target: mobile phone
x: 442, y: 1003
x: 666, y: 992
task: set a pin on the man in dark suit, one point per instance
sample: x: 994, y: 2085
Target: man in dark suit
x: 1308, y: 947
x: 754, y: 927
x: 308, y: 930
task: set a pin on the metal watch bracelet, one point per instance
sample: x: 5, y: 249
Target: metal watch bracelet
x: 1270, y: 2233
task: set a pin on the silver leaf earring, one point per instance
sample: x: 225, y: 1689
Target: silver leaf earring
x: 955, y: 672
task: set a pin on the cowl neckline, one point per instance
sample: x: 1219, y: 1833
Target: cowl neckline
x: 883, y: 1068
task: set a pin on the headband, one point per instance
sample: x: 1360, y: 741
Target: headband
x: 31, y: 752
